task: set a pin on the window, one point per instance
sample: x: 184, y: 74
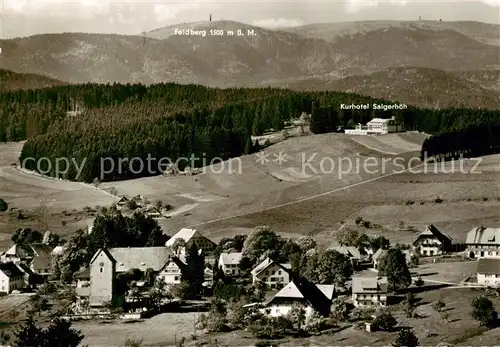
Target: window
x: 176, y: 278
x: 279, y: 272
x: 100, y: 269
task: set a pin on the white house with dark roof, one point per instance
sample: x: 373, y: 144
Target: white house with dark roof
x: 171, y: 272
x: 488, y: 272
x: 369, y: 291
x: 483, y: 242
x: 314, y: 297
x: 190, y: 237
x: 11, y: 278
x: 376, y: 126
x: 432, y: 242
x: 229, y: 263
x: 271, y: 273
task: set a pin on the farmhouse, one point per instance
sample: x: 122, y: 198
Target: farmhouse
x: 271, y: 273
x: 152, y: 211
x: 229, y: 263
x: 369, y: 291
x: 314, y: 297
x: 483, y: 242
x: 350, y: 251
x: 190, y: 237
x: 380, y: 253
x: 432, y: 242
x: 122, y: 203
x: 171, y: 272
x: 11, y: 277
x: 488, y: 272
x: 375, y: 127
x: 106, y: 264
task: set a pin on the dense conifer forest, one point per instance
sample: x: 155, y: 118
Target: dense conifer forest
x: 170, y: 120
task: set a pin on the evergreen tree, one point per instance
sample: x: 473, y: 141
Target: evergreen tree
x: 195, y: 270
x: 406, y: 338
x: 3, y: 206
x: 29, y: 335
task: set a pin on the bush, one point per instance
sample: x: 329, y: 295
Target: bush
x: 407, y: 338
x: 270, y: 328
x: 409, y: 202
x: 484, y: 311
x: 384, y: 322
x: 438, y: 200
x: 359, y: 220
x: 366, y: 224
x: 419, y: 282
x: 3, y: 206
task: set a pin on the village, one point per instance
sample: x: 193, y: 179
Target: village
x: 262, y: 283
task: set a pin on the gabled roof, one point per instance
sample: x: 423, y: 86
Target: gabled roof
x: 431, y: 230
x: 29, y: 250
x: 350, y: 251
x: 181, y: 264
x: 484, y: 236
x: 488, y: 266
x: 106, y: 251
x: 318, y: 296
x: 230, y: 258
x: 11, y: 270
x: 266, y: 263
x: 183, y: 234
x: 140, y: 257
x: 41, y: 263
x: 123, y: 199
x: 369, y: 284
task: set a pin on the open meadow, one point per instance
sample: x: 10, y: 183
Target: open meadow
x: 303, y: 185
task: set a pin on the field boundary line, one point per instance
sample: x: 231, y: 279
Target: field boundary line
x: 306, y: 198
x: 34, y: 173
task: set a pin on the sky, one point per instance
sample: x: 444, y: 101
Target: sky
x: 29, y: 17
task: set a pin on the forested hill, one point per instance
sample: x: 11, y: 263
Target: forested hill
x: 170, y: 120
x: 10, y: 80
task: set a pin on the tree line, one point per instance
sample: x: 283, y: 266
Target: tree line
x: 472, y: 141
x: 174, y: 121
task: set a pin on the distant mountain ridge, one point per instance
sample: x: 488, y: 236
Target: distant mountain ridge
x: 313, y: 53
x: 415, y: 86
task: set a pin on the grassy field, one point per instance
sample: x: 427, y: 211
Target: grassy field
x: 161, y: 330
x: 235, y: 196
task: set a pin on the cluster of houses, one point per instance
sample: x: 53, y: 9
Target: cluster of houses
x: 142, y: 206
x: 95, y: 285
x: 25, y: 266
